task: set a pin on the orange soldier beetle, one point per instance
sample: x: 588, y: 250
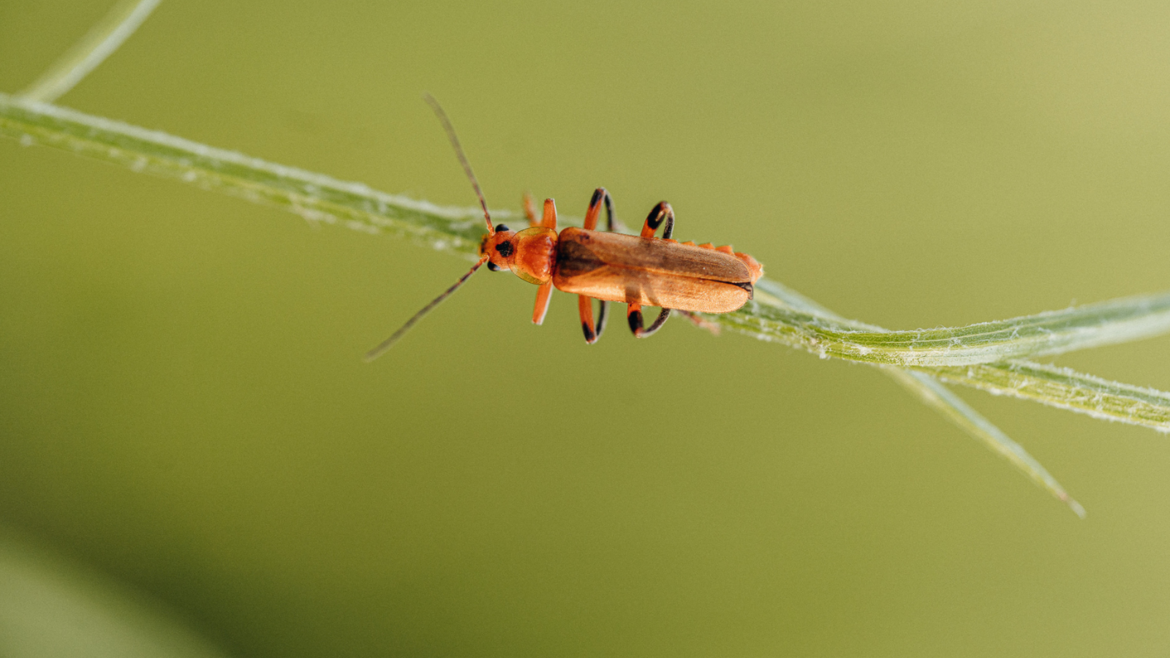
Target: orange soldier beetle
x: 611, y: 267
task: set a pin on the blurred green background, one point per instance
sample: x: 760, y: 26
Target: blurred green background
x: 183, y: 405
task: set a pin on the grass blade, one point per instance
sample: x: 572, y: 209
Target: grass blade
x: 938, y: 397
x: 1067, y: 389
x: 1056, y: 387
x: 977, y: 355
x: 315, y: 197
x: 101, y: 42
x: 941, y: 399
x: 1051, y: 332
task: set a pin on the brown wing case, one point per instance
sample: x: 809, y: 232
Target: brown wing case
x: 628, y: 268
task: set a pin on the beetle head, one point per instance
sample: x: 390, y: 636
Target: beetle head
x: 499, y: 247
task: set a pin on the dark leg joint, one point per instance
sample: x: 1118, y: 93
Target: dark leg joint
x: 654, y: 219
x: 635, y: 319
x: 636, y: 323
x: 660, y: 214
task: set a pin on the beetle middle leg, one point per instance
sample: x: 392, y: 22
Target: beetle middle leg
x: 600, y: 196
x: 585, y: 304
x: 659, y: 215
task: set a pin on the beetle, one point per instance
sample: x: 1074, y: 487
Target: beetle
x: 638, y: 270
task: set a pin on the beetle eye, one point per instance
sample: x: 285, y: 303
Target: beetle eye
x: 502, y: 227
x: 493, y: 267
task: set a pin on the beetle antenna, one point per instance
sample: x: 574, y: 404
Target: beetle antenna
x: 389, y: 342
x: 438, y: 109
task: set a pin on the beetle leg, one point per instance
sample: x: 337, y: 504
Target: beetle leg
x: 661, y: 212
x: 599, y: 195
x: 634, y: 316
x: 585, y: 304
x: 701, y: 322
x: 585, y: 308
x: 543, y: 296
x: 549, y: 220
x: 530, y: 209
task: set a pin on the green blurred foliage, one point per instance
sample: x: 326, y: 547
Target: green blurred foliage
x: 182, y: 401
x: 50, y: 608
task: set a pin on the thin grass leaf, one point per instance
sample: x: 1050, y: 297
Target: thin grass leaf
x: 101, y: 42
x: 317, y: 198
x: 1063, y: 388
x: 1051, y: 332
x: 1067, y: 389
x: 941, y: 399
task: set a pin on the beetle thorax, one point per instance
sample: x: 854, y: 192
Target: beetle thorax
x: 530, y: 254
x: 536, y: 253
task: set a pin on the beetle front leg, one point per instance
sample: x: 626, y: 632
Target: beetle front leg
x: 543, y: 297
x: 549, y: 219
x: 530, y: 209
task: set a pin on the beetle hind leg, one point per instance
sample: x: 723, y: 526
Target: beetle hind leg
x: 634, y: 316
x: 701, y: 322
x: 660, y: 215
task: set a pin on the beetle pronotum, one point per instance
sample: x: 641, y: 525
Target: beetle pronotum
x: 638, y: 270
